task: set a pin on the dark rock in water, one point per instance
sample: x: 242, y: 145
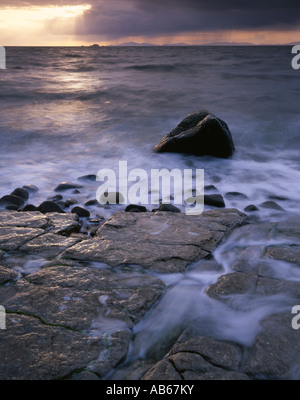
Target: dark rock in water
x: 135, y: 208
x: 31, y: 188
x: 11, y: 200
x: 70, y: 202
x: 61, y: 204
x: 215, y: 200
x: 20, y: 192
x: 49, y: 206
x: 272, y: 205
x: 210, y: 187
x: 111, y: 198
x: 81, y: 212
x: 169, y: 208
x: 12, y: 207
x: 66, y: 186
x: 29, y: 207
x: 251, y: 208
x: 280, y: 198
x: 200, y: 133
x: 76, y: 191
x: 55, y: 198
x: 235, y: 195
x: 92, y: 202
x: 90, y: 177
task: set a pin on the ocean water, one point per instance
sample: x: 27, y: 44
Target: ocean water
x: 68, y: 112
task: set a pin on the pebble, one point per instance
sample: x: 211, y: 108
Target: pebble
x: 135, y: 208
x: 81, y: 212
x: 49, y: 206
x: 20, y: 192
x: 66, y: 186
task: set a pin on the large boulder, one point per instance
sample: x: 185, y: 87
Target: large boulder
x: 200, y: 133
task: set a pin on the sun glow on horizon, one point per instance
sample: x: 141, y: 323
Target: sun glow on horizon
x: 26, y: 25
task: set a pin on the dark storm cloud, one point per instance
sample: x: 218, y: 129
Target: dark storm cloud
x: 120, y: 18
x: 112, y: 19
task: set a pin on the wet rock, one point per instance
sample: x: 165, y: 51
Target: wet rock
x: 135, y: 208
x: 168, y: 208
x: 159, y: 241
x: 31, y: 188
x: 81, y: 212
x: 251, y: 208
x: 11, y: 237
x: 73, y: 309
x: 111, y: 198
x: 233, y: 283
x: 6, y: 274
x: 11, y: 200
x: 92, y: 202
x: 290, y: 254
x: 63, y: 224
x: 235, y: 195
x: 276, y: 349
x: 200, y: 133
x: 49, y: 207
x: 199, y: 358
x: 29, y: 207
x: 21, y: 192
x: 215, y: 200
x: 23, y: 219
x: 70, y: 202
x: 90, y: 177
x: 208, y: 188
x: 49, y: 244
x: 162, y: 371
x: 55, y: 198
x: 41, y: 351
x: 271, y: 205
x: 67, y: 186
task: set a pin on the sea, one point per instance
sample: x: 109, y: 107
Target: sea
x: 67, y: 112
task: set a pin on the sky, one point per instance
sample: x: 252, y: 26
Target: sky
x: 112, y: 22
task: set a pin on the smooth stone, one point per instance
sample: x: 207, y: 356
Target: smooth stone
x: 235, y: 195
x: 200, y: 133
x: 70, y: 202
x: 20, y: 192
x: 135, y: 208
x: 111, y: 198
x: 11, y: 200
x: 31, y: 188
x: 168, y: 208
x: 271, y: 205
x: 55, y: 198
x: 215, y: 200
x: 209, y: 187
x: 92, y: 202
x: 89, y: 177
x: 29, y: 207
x: 251, y: 208
x: 81, y: 212
x: 49, y: 206
x: 66, y: 186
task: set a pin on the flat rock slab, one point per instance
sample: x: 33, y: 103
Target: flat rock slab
x: 66, y: 318
x: 159, y: 241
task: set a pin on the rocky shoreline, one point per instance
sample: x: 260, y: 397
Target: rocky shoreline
x: 73, y: 296
x: 95, y: 292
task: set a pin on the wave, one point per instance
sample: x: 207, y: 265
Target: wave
x: 157, y: 67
